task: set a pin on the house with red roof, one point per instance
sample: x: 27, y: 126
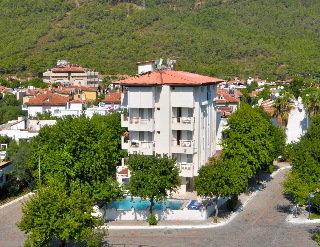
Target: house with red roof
x: 227, y: 102
x: 66, y: 73
x: 171, y: 113
x: 113, y: 100
x: 55, y: 104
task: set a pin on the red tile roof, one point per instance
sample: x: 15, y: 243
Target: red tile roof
x: 48, y: 99
x: 113, y: 98
x: 69, y: 68
x: 124, y: 171
x: 4, y: 89
x: 226, y: 97
x: 169, y: 77
x: 268, y: 107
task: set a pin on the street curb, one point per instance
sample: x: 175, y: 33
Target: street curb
x: 200, y: 226
x: 292, y: 220
x: 16, y: 200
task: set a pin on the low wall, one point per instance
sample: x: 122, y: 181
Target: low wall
x: 168, y: 214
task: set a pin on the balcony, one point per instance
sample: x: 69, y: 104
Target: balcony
x: 183, y: 123
x: 124, y: 143
x: 182, y: 146
x: 141, y: 147
x: 124, y: 121
x: 140, y: 124
x: 186, y: 169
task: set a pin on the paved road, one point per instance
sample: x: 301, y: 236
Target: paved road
x: 10, y: 236
x: 262, y: 223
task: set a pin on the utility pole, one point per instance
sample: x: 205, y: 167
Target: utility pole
x: 39, y: 170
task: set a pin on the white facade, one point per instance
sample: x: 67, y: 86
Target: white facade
x: 23, y: 129
x: 145, y: 67
x: 178, y: 121
x: 70, y: 109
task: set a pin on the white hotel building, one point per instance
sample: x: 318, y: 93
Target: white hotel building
x: 171, y: 113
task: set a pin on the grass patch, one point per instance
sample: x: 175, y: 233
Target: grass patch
x: 314, y: 216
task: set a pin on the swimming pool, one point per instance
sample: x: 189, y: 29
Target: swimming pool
x: 141, y: 204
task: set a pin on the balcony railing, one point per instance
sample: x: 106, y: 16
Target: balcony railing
x: 183, y: 120
x: 141, y: 124
x: 186, y: 169
x: 183, y: 143
x: 183, y: 123
x: 124, y: 120
x: 182, y: 146
x: 141, y: 147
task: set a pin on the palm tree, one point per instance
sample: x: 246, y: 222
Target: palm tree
x: 312, y: 103
x: 282, y: 107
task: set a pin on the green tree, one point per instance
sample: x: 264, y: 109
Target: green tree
x: 221, y: 178
x: 152, y: 177
x: 80, y: 149
x: 251, y: 136
x: 283, y: 105
x: 304, y: 156
x: 55, y: 215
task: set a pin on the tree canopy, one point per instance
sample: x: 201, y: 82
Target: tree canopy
x: 251, y: 136
x: 80, y: 149
x: 251, y: 144
x: 152, y: 177
x: 55, y: 214
x: 305, y: 157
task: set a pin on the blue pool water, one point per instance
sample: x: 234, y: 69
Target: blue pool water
x: 140, y: 204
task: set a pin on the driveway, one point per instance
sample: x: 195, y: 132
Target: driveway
x: 262, y: 223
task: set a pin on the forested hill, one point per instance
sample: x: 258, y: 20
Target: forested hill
x: 269, y: 38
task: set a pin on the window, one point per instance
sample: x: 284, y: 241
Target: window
x: 189, y: 135
x: 189, y: 158
x: 190, y: 112
x: 141, y: 136
x: 141, y: 112
x: 1, y: 178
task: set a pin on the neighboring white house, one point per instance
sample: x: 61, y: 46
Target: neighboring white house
x: 55, y: 104
x: 71, y: 74
x: 23, y: 129
x: 171, y: 113
x: 113, y: 100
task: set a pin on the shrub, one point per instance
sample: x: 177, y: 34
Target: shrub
x: 271, y: 168
x: 152, y: 220
x: 232, y: 203
x: 316, y: 203
x: 316, y: 238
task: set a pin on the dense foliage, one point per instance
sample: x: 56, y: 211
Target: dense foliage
x: 55, y: 215
x: 272, y: 39
x: 152, y: 177
x: 251, y: 144
x: 73, y: 163
x: 304, y: 178
x: 80, y: 149
x: 10, y: 108
x: 252, y: 137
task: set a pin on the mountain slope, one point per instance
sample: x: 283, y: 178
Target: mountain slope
x: 272, y: 39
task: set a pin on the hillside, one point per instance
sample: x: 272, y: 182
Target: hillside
x: 271, y: 39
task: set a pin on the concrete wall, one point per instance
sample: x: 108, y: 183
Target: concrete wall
x: 168, y: 214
